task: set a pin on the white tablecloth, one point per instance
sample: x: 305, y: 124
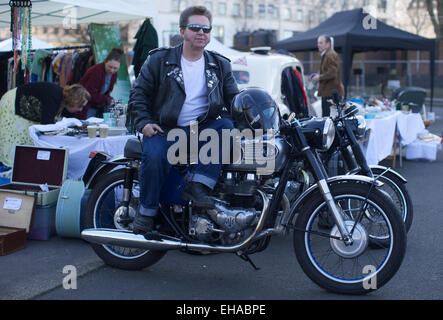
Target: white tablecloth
x: 80, y: 147
x: 382, y: 134
x: 422, y: 150
x: 409, y: 125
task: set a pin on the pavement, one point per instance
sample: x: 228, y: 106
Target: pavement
x: 38, y: 268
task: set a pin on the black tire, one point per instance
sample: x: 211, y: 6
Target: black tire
x: 323, y: 258
x: 99, y: 213
x: 398, y: 193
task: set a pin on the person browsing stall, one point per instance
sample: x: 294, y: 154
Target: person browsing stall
x: 35, y: 103
x: 176, y: 86
x: 99, y: 80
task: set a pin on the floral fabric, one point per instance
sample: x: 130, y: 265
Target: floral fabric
x: 13, y: 128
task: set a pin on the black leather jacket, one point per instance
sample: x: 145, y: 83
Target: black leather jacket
x: 159, y: 92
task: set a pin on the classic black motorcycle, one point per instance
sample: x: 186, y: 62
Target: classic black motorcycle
x: 251, y: 207
x: 350, y: 128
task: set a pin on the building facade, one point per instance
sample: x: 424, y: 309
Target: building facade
x: 285, y: 17
x: 289, y: 17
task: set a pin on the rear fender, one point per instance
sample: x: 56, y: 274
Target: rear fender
x: 104, y: 168
x: 382, y: 168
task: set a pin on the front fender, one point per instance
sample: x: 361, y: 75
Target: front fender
x: 305, y: 196
x: 383, y: 168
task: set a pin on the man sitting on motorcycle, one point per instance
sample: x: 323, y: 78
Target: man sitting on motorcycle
x: 176, y: 86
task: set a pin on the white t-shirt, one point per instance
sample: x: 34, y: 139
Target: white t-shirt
x: 196, y: 102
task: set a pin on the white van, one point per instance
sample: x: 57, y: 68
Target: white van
x: 261, y: 68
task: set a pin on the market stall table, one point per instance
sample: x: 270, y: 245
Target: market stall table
x: 384, y: 129
x: 80, y: 147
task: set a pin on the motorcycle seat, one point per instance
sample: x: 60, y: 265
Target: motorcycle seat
x: 133, y: 149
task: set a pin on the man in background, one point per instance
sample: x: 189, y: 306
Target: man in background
x: 329, y: 77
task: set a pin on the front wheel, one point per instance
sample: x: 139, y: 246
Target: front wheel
x: 104, y: 209
x: 350, y: 269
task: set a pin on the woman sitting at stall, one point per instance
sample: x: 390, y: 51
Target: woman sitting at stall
x: 99, y: 80
x: 35, y: 103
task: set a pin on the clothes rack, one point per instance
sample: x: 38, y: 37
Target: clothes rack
x: 66, y: 48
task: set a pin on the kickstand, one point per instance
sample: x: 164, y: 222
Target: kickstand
x: 245, y: 257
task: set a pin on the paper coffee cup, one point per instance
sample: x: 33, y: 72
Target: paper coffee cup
x: 92, y: 131
x: 104, y: 130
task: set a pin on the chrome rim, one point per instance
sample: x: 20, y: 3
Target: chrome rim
x: 343, y: 265
x: 107, y: 211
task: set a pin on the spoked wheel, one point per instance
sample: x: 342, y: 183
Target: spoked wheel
x: 397, y: 191
x: 105, y: 210
x: 357, y: 268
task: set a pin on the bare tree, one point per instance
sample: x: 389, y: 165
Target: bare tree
x: 418, y: 16
x: 435, y: 10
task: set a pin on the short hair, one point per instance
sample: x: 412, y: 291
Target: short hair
x: 115, y: 54
x: 75, y: 95
x: 194, y: 11
x: 327, y: 38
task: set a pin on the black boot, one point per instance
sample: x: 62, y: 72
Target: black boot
x: 198, y: 193
x: 142, y: 224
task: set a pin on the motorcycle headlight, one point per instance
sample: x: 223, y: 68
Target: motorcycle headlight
x: 361, y: 126
x: 328, y: 133
x: 319, y: 132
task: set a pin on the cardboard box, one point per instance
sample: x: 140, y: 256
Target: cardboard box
x: 16, y: 219
x: 37, y: 166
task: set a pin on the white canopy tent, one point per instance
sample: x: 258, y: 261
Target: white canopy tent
x: 62, y: 12
x: 6, y: 45
x: 216, y: 45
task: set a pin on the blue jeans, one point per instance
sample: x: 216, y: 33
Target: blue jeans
x: 155, y: 166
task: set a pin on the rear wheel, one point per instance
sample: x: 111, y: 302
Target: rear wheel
x: 104, y: 209
x: 350, y: 269
x: 397, y: 191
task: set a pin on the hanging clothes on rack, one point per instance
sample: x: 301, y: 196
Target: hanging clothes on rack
x: 147, y: 39
x: 69, y: 71
x: 60, y: 65
x: 38, y: 64
x: 83, y: 62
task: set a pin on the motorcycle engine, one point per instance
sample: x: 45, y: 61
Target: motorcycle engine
x: 232, y: 219
x: 223, y: 223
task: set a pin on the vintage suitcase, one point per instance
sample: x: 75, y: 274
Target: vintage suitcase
x: 37, y: 167
x: 69, y: 209
x: 11, y: 239
x: 43, y: 226
x: 16, y: 220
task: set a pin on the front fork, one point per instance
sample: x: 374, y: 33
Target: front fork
x: 336, y: 212
x: 321, y: 176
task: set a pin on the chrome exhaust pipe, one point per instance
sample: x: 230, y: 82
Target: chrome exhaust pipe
x: 125, y: 238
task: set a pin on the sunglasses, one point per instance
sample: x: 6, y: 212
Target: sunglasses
x: 197, y: 28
